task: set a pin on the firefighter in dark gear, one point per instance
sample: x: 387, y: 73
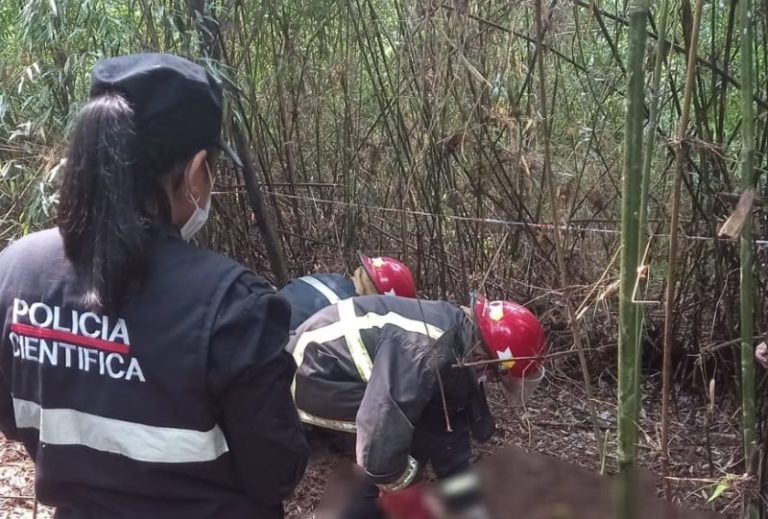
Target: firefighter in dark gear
x: 388, y: 370
x: 146, y: 377
x: 374, y: 276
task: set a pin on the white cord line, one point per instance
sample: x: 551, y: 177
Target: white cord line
x: 491, y: 221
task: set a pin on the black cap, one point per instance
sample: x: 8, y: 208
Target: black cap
x: 176, y: 103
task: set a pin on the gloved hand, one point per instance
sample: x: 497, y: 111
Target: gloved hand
x: 408, y: 503
x: 481, y: 422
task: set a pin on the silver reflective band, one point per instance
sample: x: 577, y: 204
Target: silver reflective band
x: 349, y: 326
x: 461, y: 483
x: 336, y: 425
x: 411, y: 470
x: 343, y: 326
x: 133, y: 440
x: 321, y: 287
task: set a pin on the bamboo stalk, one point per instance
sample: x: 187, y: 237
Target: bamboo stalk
x: 629, y: 352
x: 653, y: 123
x: 263, y: 218
x: 680, y: 162
x: 650, y: 140
x: 559, y: 252
x: 746, y: 286
x: 213, y: 48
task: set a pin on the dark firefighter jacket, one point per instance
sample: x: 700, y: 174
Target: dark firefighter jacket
x: 178, y: 407
x: 308, y: 294
x: 371, y: 365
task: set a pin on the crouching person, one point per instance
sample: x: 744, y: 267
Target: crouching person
x: 389, y: 370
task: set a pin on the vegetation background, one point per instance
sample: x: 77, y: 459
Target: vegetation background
x: 443, y: 132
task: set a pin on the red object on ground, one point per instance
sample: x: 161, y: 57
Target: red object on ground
x: 408, y: 503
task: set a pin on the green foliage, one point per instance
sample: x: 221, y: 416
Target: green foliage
x: 718, y: 491
x: 412, y: 128
x: 399, y: 104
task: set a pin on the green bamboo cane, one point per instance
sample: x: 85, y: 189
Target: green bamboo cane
x: 746, y: 295
x: 650, y: 140
x: 681, y: 158
x: 629, y: 387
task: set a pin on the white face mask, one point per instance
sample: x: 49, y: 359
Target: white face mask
x: 199, y: 215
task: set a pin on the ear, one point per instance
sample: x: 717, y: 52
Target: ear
x: 196, y: 176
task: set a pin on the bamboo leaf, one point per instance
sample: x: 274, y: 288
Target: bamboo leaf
x: 721, y: 487
x: 733, y: 225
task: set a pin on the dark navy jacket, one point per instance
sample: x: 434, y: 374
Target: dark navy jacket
x: 309, y: 294
x: 179, y: 406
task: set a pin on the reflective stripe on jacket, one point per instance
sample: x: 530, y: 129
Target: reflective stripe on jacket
x: 178, y: 407
x: 309, y: 294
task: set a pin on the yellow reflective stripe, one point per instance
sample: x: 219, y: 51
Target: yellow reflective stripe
x: 336, y: 425
x: 374, y: 320
x: 321, y: 287
x: 355, y: 344
x: 348, y: 325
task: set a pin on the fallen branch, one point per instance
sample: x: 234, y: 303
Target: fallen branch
x: 539, y: 357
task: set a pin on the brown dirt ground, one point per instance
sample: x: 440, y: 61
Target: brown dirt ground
x: 556, y: 423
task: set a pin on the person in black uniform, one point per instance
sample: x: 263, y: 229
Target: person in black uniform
x: 375, y: 276
x: 388, y: 371
x: 146, y: 377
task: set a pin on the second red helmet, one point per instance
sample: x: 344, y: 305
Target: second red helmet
x: 390, y: 276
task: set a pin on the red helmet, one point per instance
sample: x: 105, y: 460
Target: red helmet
x: 509, y: 331
x: 391, y: 277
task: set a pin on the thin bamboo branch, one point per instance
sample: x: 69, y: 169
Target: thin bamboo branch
x: 575, y: 326
x: 653, y: 120
x: 669, y: 302
x: 763, y: 103
x: 746, y: 294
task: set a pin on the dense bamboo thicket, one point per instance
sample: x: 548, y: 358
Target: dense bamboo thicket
x: 482, y: 142
x: 412, y: 128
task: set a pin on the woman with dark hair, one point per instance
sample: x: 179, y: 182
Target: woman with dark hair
x: 146, y: 377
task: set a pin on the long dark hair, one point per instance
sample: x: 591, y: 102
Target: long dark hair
x: 102, y: 214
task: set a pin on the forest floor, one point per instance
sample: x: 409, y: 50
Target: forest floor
x: 557, y: 423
